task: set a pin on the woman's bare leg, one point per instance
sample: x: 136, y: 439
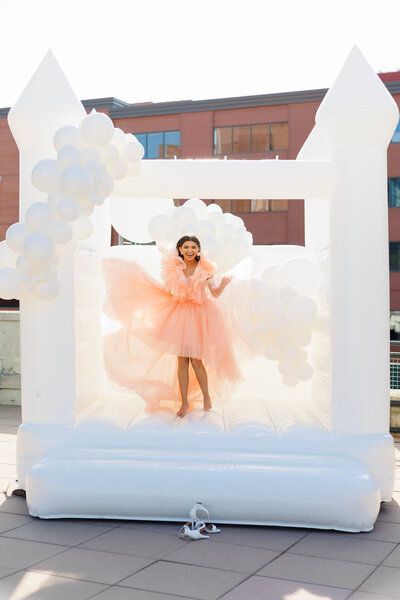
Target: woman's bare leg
x: 202, y: 378
x: 183, y: 379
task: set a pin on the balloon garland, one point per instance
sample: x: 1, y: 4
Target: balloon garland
x: 89, y: 159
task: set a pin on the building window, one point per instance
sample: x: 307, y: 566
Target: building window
x: 251, y: 206
x: 394, y: 256
x: 396, y: 136
x: 160, y: 144
x: 394, y: 191
x: 246, y: 139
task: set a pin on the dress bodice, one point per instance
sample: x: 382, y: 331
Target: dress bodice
x: 192, y: 288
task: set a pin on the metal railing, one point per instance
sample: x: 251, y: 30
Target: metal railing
x: 394, y: 379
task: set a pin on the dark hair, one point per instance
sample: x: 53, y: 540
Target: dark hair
x: 188, y: 238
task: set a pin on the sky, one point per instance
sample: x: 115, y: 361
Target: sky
x: 160, y: 50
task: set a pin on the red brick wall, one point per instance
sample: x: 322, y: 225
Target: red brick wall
x: 9, y: 184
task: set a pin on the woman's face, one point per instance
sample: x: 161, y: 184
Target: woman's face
x: 189, y: 250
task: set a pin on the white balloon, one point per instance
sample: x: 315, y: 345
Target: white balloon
x: 285, y: 367
x: 214, y: 208
x: 119, y: 138
x: 300, y: 273
x: 76, y: 181
x: 109, y: 154
x: 198, y: 206
x: 206, y: 228
x: 44, y: 274
x: 270, y: 274
x: 38, y: 248
x: 47, y: 290
x: 132, y: 152
x: 45, y: 175
x: 118, y: 170
x: 83, y: 228
x: 217, y: 219
x: 305, y: 310
x: 53, y: 200
x: 211, y: 245
x: 22, y: 265
x: 305, y: 372
x: 9, y: 283
x: 86, y: 206
x: 39, y: 217
x: 16, y: 235
x: 89, y: 155
x: 68, y: 209
x: 68, y: 156
x: 131, y: 217
x: 134, y: 169
x: 60, y: 232
x: 96, y: 169
x: 183, y: 215
x: 67, y: 135
x: 103, y: 187
x: 97, y: 129
x: 159, y: 227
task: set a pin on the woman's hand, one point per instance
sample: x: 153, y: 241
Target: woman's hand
x: 225, y: 280
x: 217, y: 291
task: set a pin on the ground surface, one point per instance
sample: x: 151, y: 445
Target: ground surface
x: 125, y: 560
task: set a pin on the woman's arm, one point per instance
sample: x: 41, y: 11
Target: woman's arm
x: 218, y: 289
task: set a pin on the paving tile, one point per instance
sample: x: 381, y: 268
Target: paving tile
x: 393, y: 560
x: 8, y: 521
x: 7, y: 571
x: 41, y: 586
x: 321, y: 571
x: 385, y: 580
x: 264, y: 588
x: 92, y: 565
x: 343, y: 547
x: 369, y: 596
x: 57, y: 532
x: 13, y: 504
x: 168, y: 527
x: 389, y: 514
x: 136, y: 543
x: 383, y: 531
x: 184, y: 580
x: 22, y: 554
x: 272, y: 538
x: 231, y: 557
x: 119, y: 593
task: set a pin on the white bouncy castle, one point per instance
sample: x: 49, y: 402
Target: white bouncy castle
x: 304, y: 440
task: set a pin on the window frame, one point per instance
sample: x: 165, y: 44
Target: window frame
x: 163, y: 132
x: 251, y: 125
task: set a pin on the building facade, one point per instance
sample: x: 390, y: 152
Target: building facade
x: 252, y: 127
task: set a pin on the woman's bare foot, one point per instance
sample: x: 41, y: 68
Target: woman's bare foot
x: 207, y: 403
x: 183, y: 409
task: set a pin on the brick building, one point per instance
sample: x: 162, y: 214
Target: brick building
x: 256, y: 127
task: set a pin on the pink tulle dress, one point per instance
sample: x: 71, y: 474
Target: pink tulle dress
x: 161, y: 321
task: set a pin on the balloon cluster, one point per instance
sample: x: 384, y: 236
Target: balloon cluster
x: 89, y: 159
x: 222, y: 235
x: 278, y: 312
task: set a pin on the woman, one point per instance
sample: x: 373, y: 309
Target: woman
x: 168, y: 327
